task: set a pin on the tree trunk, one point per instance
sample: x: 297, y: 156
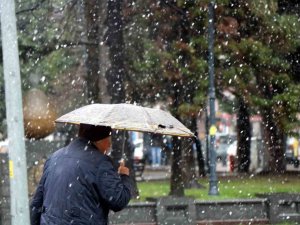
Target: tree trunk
x: 177, y: 185
x: 91, y: 11
x: 189, y: 169
x: 103, y: 51
x: 114, y: 39
x: 115, y: 76
x: 200, y: 158
x: 275, y: 143
x: 190, y: 177
x: 243, y: 137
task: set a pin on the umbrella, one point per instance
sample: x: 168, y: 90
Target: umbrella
x: 127, y: 117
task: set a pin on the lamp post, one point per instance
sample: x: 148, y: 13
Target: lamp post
x: 13, y: 99
x: 207, y: 138
x: 213, y: 182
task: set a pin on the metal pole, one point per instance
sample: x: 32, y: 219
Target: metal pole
x: 213, y: 182
x: 13, y: 99
x: 207, y: 139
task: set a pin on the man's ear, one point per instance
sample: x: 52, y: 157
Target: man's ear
x: 98, y: 145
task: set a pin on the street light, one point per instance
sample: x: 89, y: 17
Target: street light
x: 213, y: 182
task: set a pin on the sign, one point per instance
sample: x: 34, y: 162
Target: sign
x: 213, y: 130
x: 11, y: 169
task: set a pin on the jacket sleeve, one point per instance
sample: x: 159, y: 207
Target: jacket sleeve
x: 114, y: 189
x: 36, y: 204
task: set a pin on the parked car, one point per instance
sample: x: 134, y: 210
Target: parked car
x: 222, y: 144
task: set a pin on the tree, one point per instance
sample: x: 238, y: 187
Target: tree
x: 243, y: 137
x: 91, y: 12
x: 167, y: 65
x: 46, y: 51
x: 254, y: 47
x: 116, y: 77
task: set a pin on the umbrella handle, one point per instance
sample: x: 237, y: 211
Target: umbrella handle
x: 123, y: 146
x: 122, y: 162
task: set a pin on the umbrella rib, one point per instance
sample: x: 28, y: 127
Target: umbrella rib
x: 149, y: 116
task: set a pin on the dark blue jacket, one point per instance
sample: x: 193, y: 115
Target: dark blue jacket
x: 79, y: 186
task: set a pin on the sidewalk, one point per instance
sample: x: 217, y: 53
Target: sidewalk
x: 155, y: 173
x: 164, y: 172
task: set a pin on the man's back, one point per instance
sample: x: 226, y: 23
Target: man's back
x: 79, y: 186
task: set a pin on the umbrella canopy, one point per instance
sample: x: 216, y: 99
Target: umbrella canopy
x: 127, y: 117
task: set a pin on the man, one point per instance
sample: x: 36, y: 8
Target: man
x: 79, y: 184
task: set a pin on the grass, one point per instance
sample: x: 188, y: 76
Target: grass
x: 229, y: 187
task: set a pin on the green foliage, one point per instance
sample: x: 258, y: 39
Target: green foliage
x: 142, y: 62
x: 170, y: 47
x: 46, y: 69
x: 261, y: 8
x: 166, y: 54
x: 252, y: 63
x: 45, y: 31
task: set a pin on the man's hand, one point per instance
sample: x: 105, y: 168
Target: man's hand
x: 122, y: 168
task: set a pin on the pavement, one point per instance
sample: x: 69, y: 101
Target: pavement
x: 155, y: 173
x: 164, y: 172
